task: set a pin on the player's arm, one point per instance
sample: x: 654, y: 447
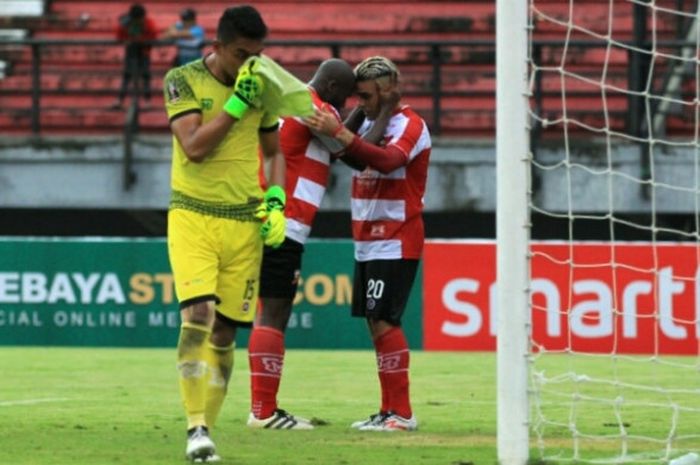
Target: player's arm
x: 199, y: 140
x: 338, y: 149
x: 355, y: 119
x: 270, y: 146
x: 334, y: 147
x: 271, y: 210
x: 383, y: 159
x: 374, y: 136
x: 360, y: 151
x: 389, y: 99
x: 352, y: 162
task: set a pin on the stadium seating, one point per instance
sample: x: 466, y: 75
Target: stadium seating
x: 78, y: 81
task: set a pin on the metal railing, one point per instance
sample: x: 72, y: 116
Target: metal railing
x: 435, y: 53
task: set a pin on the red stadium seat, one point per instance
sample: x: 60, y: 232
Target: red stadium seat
x: 78, y: 82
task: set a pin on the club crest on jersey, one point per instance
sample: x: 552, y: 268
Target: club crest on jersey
x: 371, y: 303
x: 173, y: 94
x: 245, y: 307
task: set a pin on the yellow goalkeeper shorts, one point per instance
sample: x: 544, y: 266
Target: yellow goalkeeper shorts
x: 215, y: 259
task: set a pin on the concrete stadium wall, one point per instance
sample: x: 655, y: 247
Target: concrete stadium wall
x: 67, y: 173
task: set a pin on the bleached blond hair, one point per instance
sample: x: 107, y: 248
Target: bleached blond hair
x: 376, y: 68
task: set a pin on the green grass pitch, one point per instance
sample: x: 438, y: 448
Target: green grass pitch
x: 85, y: 406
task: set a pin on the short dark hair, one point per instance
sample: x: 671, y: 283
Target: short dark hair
x: 188, y: 14
x: 240, y: 21
x: 137, y: 11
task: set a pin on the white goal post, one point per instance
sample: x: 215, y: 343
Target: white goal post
x: 512, y: 232
x: 598, y: 346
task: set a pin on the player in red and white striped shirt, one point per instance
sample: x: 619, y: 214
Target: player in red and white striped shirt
x: 387, y: 203
x: 308, y: 160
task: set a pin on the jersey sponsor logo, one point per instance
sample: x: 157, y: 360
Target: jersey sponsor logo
x: 193, y: 282
x: 207, y: 103
x: 173, y: 93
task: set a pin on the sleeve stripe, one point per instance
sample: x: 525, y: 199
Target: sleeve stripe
x: 270, y: 129
x: 183, y: 113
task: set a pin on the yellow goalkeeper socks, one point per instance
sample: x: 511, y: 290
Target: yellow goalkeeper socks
x: 220, y: 361
x: 192, y: 367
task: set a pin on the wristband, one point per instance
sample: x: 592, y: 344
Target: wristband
x: 236, y: 106
x: 275, y: 197
x: 338, y: 130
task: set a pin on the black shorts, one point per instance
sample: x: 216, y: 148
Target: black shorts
x: 381, y: 288
x: 280, y: 271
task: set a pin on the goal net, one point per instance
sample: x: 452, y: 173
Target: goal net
x: 604, y: 365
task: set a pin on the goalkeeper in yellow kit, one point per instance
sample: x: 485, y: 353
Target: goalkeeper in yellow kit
x: 219, y: 216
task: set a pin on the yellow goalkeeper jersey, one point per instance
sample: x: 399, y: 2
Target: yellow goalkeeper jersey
x: 229, y: 175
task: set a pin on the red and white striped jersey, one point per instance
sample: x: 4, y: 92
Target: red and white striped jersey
x: 386, y: 208
x: 308, y: 165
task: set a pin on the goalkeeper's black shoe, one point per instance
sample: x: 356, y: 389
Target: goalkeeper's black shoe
x: 279, y: 420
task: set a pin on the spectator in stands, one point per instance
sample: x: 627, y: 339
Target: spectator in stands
x: 308, y: 159
x: 188, y: 36
x: 136, y: 29
x: 387, y: 201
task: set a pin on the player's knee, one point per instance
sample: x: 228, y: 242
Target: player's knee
x: 200, y: 313
x: 378, y: 326
x: 224, y: 332
x: 277, y: 321
x: 275, y: 313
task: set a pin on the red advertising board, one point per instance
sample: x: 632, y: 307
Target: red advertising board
x: 593, y: 297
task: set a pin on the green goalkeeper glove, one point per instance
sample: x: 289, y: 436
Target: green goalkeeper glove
x: 246, y: 91
x: 275, y: 198
x: 271, y: 213
x: 273, y: 228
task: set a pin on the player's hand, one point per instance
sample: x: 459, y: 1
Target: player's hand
x: 246, y: 91
x: 275, y: 198
x: 389, y: 97
x: 271, y: 213
x: 324, y: 122
x: 273, y: 227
